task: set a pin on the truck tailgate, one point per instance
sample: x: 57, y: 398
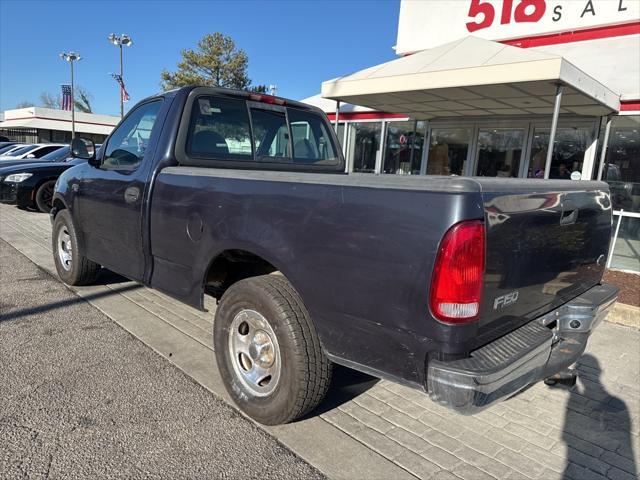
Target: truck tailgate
x: 545, y: 245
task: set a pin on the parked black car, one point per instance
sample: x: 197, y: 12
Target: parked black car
x: 30, y: 184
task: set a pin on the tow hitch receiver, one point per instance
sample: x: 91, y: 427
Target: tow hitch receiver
x: 566, y: 377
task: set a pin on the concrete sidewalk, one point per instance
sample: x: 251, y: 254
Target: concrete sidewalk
x: 369, y: 429
x: 81, y: 398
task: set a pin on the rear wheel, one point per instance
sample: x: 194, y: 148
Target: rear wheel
x: 44, y: 196
x: 72, y: 266
x: 268, y: 351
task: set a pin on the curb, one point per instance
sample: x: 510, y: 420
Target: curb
x: 623, y: 314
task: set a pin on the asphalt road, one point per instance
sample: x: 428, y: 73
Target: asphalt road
x: 82, y: 398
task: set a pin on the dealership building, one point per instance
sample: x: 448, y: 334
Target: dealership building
x: 48, y: 125
x: 484, y: 87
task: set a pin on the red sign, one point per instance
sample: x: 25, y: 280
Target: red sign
x: 484, y: 13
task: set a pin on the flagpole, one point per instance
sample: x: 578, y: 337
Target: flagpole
x: 120, y: 41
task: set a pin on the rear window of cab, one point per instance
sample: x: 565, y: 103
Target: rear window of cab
x: 233, y: 132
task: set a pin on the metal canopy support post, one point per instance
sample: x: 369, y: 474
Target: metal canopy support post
x: 337, y: 113
x: 413, y: 145
x: 552, y: 133
x: 603, y: 150
x: 614, y: 239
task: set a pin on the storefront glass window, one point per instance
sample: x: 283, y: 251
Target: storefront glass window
x: 568, y: 152
x: 403, y: 148
x: 626, y: 251
x: 622, y: 163
x: 340, y: 134
x: 448, y: 150
x: 364, y: 145
x: 499, y: 152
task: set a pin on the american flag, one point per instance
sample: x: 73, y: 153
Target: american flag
x: 65, y: 102
x: 123, y: 91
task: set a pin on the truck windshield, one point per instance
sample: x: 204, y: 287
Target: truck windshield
x: 223, y: 128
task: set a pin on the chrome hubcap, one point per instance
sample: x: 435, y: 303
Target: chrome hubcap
x: 64, y: 248
x: 254, y: 350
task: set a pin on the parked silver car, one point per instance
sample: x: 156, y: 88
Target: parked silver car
x: 36, y: 150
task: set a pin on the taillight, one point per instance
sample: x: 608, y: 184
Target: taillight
x: 456, y: 285
x: 264, y: 98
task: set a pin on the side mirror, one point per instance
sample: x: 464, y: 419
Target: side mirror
x: 31, y: 155
x: 83, y: 148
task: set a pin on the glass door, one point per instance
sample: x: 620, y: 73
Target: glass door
x: 364, y: 145
x: 569, y: 149
x: 448, y: 151
x: 499, y: 152
x: 403, y: 148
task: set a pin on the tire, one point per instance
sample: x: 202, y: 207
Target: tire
x: 44, y: 196
x: 68, y: 255
x: 264, y: 317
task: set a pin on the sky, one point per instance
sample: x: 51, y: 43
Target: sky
x: 293, y: 44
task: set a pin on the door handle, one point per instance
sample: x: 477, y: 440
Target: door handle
x: 131, y: 194
x: 569, y: 213
x: 569, y: 217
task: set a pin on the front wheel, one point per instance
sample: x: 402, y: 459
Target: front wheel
x: 268, y: 351
x: 72, y: 266
x: 44, y: 196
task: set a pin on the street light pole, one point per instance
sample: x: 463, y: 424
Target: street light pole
x: 119, y: 41
x: 72, y: 57
x: 73, y: 106
x: 122, y: 78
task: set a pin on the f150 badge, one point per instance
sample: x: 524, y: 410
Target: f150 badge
x: 505, y: 300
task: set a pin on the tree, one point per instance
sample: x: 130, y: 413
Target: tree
x: 83, y: 100
x: 50, y: 101
x: 216, y: 62
x: 259, y: 88
x: 25, y: 105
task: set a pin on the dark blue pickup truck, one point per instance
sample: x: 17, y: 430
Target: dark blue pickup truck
x: 467, y: 288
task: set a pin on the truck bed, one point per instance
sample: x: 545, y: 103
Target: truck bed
x: 360, y: 250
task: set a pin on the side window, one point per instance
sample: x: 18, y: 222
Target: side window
x: 45, y: 150
x: 219, y: 129
x: 129, y: 141
x: 311, y: 140
x: 270, y: 134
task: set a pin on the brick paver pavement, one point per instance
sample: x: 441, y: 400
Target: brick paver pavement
x: 591, y: 432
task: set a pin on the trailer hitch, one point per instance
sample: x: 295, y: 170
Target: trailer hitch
x: 566, y: 377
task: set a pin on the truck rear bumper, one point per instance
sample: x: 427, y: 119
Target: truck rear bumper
x: 535, y: 351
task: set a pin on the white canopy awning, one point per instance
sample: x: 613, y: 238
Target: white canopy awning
x: 474, y: 77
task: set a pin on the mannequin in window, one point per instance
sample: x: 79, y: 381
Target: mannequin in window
x: 438, y: 163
